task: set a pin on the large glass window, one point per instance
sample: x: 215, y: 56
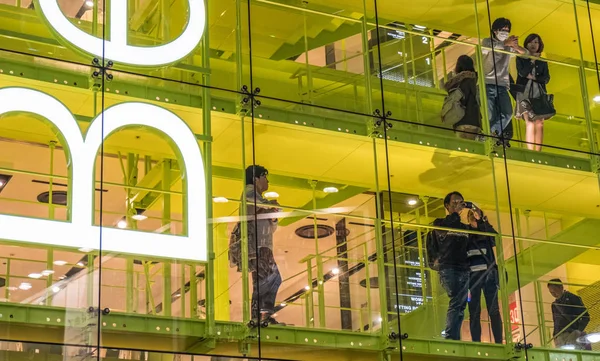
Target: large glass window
x: 199, y: 179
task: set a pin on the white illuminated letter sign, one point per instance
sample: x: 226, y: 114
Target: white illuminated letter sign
x: 80, y: 232
x: 116, y: 48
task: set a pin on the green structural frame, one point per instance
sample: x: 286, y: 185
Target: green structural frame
x: 44, y: 323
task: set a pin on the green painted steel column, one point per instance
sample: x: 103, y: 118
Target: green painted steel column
x: 366, y: 61
x: 51, y: 181
x: 49, y: 280
x: 221, y: 276
x: 319, y: 260
x: 500, y: 262
x: 130, y: 179
x: 129, y: 294
x: 193, y: 293
x: 243, y: 207
x: 90, y: 281
x: 310, y: 314
x: 539, y: 303
x: 166, y: 220
x: 210, y: 274
x: 584, y: 95
x: 368, y: 288
x: 167, y: 291
x: 183, y: 291
x: 6, y: 289
x: 382, y: 282
x: 421, y: 258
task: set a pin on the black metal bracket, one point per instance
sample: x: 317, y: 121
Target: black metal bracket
x: 393, y: 336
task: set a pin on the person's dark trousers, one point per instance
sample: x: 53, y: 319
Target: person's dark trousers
x: 500, y: 110
x: 455, y: 282
x: 265, y: 285
x: 486, y: 281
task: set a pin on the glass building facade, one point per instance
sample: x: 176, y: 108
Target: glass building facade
x: 127, y: 230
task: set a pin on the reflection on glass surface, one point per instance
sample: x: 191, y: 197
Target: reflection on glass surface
x: 328, y: 173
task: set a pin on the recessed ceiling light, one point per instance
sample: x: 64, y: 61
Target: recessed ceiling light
x: 55, y: 289
x: 412, y: 202
x: 47, y: 272
x: 271, y: 195
x: 283, y: 304
x: 307, y: 288
x: 35, y: 275
x: 60, y: 263
x: 89, y: 3
x: 139, y: 217
x: 220, y: 200
x: 330, y: 190
x: 335, y: 271
x: 380, y: 319
x: 597, y: 99
x: 122, y: 224
x: 25, y: 286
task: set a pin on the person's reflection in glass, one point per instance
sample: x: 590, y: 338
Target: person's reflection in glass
x: 266, y: 278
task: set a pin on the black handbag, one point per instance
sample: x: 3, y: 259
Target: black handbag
x: 540, y: 108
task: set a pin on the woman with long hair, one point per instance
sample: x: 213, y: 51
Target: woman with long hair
x: 465, y: 78
x: 533, y: 75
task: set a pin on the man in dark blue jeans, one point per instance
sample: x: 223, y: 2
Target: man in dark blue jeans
x: 497, y: 51
x: 449, y: 250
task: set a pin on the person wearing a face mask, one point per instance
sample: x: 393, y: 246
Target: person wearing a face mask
x: 497, y: 78
x: 532, y: 80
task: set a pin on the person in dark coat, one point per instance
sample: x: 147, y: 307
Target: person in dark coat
x: 533, y: 75
x: 484, y: 276
x: 465, y: 78
x: 570, y: 317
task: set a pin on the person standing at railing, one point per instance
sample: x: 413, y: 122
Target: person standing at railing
x: 465, y: 81
x: 533, y: 75
x: 483, y: 277
x: 570, y: 317
x: 261, y: 225
x: 497, y: 78
x: 447, y: 254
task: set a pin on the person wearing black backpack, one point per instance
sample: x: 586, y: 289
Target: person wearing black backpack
x: 483, y: 276
x: 465, y: 80
x: 447, y: 254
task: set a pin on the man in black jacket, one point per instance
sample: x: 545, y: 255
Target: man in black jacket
x: 448, y: 254
x: 570, y: 316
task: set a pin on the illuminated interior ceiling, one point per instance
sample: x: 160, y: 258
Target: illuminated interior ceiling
x: 307, y: 153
